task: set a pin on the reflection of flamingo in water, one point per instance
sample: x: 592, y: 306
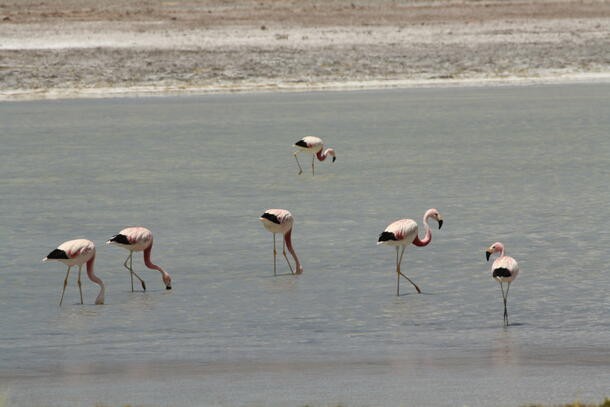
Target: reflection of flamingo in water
x: 314, y: 146
x: 404, y: 232
x: 504, y: 269
x: 280, y: 221
x: 76, y: 253
x: 136, y: 240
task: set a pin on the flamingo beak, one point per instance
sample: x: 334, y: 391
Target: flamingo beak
x: 334, y: 159
x: 440, y: 223
x: 487, y: 254
x: 169, y: 287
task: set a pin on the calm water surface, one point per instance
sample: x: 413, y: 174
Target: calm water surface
x: 528, y: 166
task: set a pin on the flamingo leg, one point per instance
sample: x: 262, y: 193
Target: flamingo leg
x: 399, y: 272
x: 274, y: 256
x: 504, y: 296
x: 505, y: 304
x: 299, y: 164
x: 79, y: 283
x: 131, y: 272
x: 397, y: 275
x: 313, y: 159
x: 65, y: 284
x: 286, y: 257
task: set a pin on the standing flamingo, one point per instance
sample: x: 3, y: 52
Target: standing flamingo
x: 504, y: 269
x: 314, y: 146
x: 280, y: 221
x: 76, y: 253
x: 404, y: 232
x: 136, y: 240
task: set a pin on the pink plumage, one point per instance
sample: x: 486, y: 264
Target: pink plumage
x: 504, y: 269
x: 76, y: 253
x: 281, y: 221
x: 138, y: 239
x: 402, y: 233
x: 314, y: 146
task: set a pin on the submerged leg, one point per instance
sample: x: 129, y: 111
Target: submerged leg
x: 399, y: 272
x: 313, y: 159
x: 65, y: 284
x: 296, y: 158
x: 286, y: 257
x: 274, y: 256
x: 79, y: 284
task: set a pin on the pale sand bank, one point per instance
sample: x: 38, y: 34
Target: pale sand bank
x: 82, y: 48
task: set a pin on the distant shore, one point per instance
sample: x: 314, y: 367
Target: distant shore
x: 109, y: 48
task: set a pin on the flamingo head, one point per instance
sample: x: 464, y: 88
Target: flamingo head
x: 167, y: 280
x: 331, y: 152
x: 494, y: 248
x: 435, y: 214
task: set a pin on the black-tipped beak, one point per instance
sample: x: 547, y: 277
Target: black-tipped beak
x: 487, y: 254
x: 334, y: 159
x: 168, y: 287
x: 440, y: 224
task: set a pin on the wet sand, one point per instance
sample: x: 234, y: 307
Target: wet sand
x: 94, y: 48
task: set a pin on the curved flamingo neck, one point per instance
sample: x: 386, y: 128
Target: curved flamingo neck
x: 95, y: 279
x: 288, y: 240
x: 427, y: 237
x: 500, y: 248
x: 150, y: 264
x: 322, y: 155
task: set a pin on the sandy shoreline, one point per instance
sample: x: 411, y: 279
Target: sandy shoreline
x: 109, y: 48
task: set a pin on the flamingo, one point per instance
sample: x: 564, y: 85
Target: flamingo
x: 504, y: 270
x: 280, y: 221
x: 76, y: 253
x: 314, y: 146
x: 139, y: 239
x: 404, y: 232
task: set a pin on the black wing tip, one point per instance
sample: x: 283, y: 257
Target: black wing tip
x: 300, y: 143
x: 386, y: 236
x: 270, y: 217
x: 501, y: 272
x: 122, y: 239
x: 57, y: 254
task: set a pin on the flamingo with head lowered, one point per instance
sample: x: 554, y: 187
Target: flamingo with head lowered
x: 504, y: 269
x: 139, y: 239
x: 280, y: 221
x: 314, y: 146
x: 76, y: 253
x: 403, y: 232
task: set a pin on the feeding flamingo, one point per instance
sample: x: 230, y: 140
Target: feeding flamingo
x: 76, y: 253
x: 404, y: 232
x: 314, y: 146
x: 139, y: 239
x: 504, y: 270
x: 280, y: 221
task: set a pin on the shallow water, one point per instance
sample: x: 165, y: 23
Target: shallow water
x: 528, y: 166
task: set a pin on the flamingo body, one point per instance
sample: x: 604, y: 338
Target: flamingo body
x: 73, y: 252
x: 399, y: 233
x: 138, y: 239
x: 135, y: 239
x: 505, y: 269
x: 76, y: 253
x: 281, y: 221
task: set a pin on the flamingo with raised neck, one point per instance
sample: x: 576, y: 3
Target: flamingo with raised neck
x: 402, y: 233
